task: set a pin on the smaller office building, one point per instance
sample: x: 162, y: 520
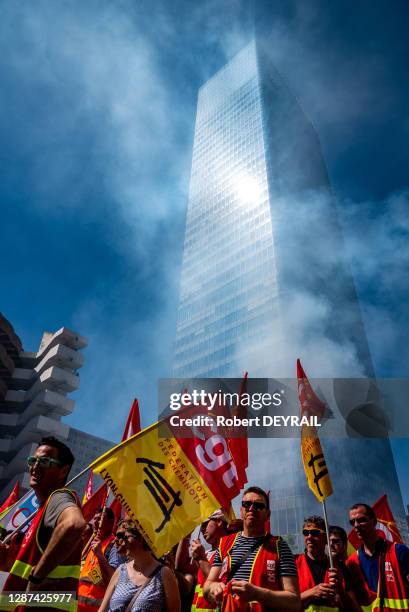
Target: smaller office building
x: 34, y: 396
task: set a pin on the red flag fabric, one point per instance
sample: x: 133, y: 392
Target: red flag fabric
x: 239, y: 446
x: 88, y: 489
x: 386, y: 526
x: 386, y: 521
x: 220, y: 460
x: 12, y: 498
x: 132, y: 427
x: 97, y: 501
x: 210, y: 454
x: 310, y: 403
x: 133, y: 424
x: 117, y: 510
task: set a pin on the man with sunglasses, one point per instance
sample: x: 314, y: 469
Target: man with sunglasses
x: 117, y: 554
x: 380, y: 568
x: 49, y: 557
x: 253, y: 566
x: 321, y: 588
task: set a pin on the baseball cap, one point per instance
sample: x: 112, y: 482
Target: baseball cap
x: 217, y: 514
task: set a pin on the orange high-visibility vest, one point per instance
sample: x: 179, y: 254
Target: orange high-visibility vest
x: 306, y: 582
x: 199, y: 601
x: 264, y: 572
x: 91, y: 588
x: 396, y: 596
x: 31, y: 550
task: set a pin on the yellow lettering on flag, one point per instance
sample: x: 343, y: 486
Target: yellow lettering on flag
x: 157, y: 486
x: 315, y: 466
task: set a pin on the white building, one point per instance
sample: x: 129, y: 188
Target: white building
x: 34, y: 389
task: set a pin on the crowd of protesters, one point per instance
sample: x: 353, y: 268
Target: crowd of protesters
x: 110, y: 567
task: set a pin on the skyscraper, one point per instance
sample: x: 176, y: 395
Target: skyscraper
x: 264, y: 278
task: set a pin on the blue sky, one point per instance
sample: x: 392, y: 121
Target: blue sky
x: 98, y: 106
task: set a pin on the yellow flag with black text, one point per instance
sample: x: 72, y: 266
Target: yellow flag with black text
x: 312, y: 456
x: 315, y: 467
x: 158, y: 486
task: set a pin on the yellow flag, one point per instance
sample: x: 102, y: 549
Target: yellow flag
x: 350, y: 548
x: 315, y: 467
x: 158, y: 486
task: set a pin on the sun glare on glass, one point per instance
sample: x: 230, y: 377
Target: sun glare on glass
x: 248, y: 190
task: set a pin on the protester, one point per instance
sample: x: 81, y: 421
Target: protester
x: 96, y: 571
x: 185, y: 571
x: 338, y: 541
x: 87, y: 534
x: 320, y: 586
x: 117, y: 554
x: 142, y: 583
x: 212, y: 530
x: 380, y: 568
x: 49, y: 558
x: 253, y: 566
x: 178, y: 560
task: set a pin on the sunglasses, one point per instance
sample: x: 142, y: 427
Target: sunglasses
x: 255, y: 504
x: 122, y: 536
x: 312, y: 532
x: 361, y: 520
x: 43, y: 461
x: 335, y: 541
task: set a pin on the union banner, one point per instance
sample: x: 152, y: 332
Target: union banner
x: 158, y: 486
x: 314, y: 463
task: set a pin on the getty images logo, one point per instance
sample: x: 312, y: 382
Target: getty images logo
x: 256, y: 401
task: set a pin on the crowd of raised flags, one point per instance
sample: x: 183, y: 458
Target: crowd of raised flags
x: 144, y: 471
x: 168, y: 485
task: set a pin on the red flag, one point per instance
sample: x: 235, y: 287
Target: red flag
x: 133, y: 424
x: 12, y: 498
x: 97, y: 501
x: 239, y: 446
x: 386, y: 522
x: 386, y: 526
x: 88, y: 489
x: 117, y: 510
x: 310, y: 403
x: 132, y: 427
x: 210, y: 454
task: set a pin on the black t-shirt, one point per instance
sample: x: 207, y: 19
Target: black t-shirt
x: 318, y: 568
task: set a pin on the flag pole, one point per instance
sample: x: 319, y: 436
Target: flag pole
x: 30, y: 518
x: 324, y: 508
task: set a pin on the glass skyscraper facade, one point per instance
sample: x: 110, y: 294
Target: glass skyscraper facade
x: 228, y: 285
x: 260, y: 216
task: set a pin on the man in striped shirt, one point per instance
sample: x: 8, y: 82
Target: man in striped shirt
x: 252, y: 565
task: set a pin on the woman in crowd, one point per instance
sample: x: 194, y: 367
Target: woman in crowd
x: 117, y: 554
x: 142, y: 583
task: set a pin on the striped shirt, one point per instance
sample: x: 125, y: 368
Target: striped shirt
x: 286, y: 565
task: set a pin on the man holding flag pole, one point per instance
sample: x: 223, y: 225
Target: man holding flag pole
x: 49, y: 556
x: 319, y: 482
x: 49, y: 468
x: 318, y: 582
